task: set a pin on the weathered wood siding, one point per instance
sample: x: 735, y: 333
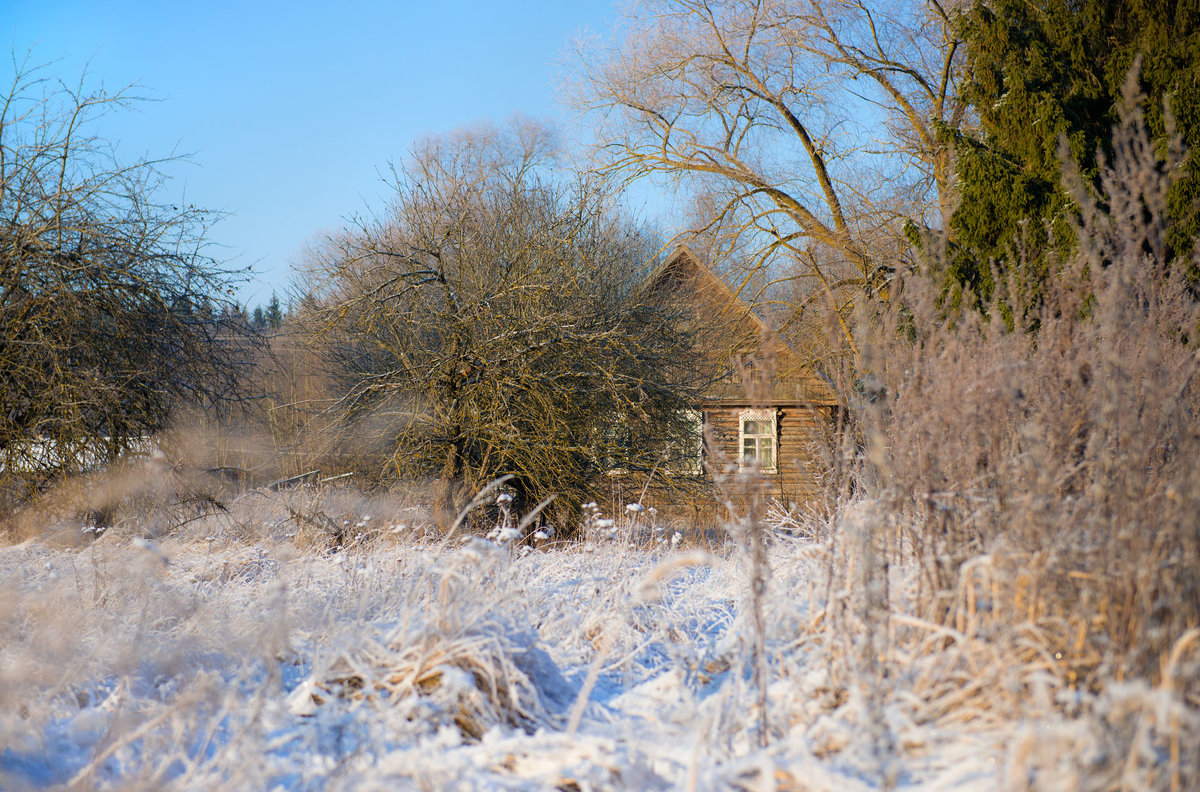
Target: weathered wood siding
x: 796, y: 428
x: 755, y: 368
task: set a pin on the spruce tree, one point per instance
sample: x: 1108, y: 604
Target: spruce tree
x: 274, y: 313
x: 1043, y: 72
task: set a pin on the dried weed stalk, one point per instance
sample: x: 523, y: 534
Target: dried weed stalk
x: 1035, y: 464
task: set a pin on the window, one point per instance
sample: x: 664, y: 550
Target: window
x: 615, y: 446
x: 757, y: 437
x: 688, y: 457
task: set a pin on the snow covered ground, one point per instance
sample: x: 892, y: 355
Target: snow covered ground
x: 213, y: 663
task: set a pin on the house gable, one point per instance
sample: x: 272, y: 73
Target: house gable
x: 766, y: 384
x: 761, y: 368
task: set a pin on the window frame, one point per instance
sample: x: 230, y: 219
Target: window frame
x: 761, y: 415
x: 616, y: 437
x: 691, y: 462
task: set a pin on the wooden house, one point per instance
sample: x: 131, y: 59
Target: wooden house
x: 763, y: 405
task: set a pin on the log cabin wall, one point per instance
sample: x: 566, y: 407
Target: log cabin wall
x: 761, y: 372
x: 797, y: 427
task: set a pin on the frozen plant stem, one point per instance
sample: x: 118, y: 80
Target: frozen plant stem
x: 589, y: 683
x: 753, y: 542
x: 870, y: 583
x: 759, y: 571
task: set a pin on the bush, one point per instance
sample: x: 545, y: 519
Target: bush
x: 1047, y: 482
x: 489, y: 324
x: 109, y: 308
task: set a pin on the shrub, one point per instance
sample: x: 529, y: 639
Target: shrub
x: 1047, y: 481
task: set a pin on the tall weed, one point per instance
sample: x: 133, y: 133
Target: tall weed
x: 1036, y: 463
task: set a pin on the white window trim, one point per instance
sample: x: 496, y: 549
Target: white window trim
x: 771, y: 415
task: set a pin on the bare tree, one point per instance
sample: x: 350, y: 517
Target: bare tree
x: 109, y: 308
x: 814, y: 128
x: 489, y: 323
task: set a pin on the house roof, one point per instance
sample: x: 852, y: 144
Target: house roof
x: 791, y: 382
x: 683, y: 262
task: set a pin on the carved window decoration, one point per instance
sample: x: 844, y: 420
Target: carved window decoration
x: 758, y: 440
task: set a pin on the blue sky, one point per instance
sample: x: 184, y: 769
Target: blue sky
x: 290, y: 110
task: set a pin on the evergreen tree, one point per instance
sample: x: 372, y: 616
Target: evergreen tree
x: 274, y: 314
x: 1047, y: 71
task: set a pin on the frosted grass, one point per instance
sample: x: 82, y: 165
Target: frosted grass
x: 210, y: 663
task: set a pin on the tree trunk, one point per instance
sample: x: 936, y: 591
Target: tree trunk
x: 446, y: 505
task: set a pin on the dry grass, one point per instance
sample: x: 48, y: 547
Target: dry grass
x: 1024, y: 545
x: 476, y: 675
x: 1018, y: 561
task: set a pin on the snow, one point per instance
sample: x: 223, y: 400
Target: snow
x: 212, y: 664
